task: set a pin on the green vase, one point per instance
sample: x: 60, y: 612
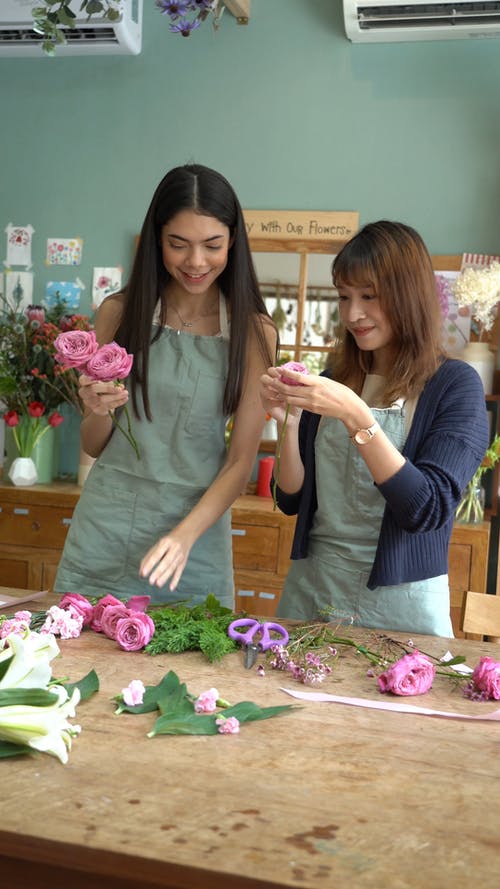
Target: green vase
x: 44, y: 455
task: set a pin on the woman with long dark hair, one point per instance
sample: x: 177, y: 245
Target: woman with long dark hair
x: 378, y: 449
x: 194, y: 319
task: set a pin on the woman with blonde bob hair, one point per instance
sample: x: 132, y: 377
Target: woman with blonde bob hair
x: 378, y: 449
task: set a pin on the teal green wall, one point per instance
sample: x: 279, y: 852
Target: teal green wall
x: 287, y: 108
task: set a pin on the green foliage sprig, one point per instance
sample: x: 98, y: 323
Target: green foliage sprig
x: 202, y: 627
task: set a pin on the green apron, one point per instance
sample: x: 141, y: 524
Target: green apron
x: 126, y: 504
x: 330, y: 584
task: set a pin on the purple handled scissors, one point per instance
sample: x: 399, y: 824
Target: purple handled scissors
x: 247, y: 639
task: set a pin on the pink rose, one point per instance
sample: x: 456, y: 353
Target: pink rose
x: 78, y: 605
x: 296, y: 366
x: 110, y: 362
x: 110, y: 617
x: 138, y: 603
x: 229, y: 726
x: 99, y: 608
x: 486, y: 677
x: 413, y: 674
x: 135, y: 631
x: 207, y: 701
x: 74, y: 348
x: 133, y: 694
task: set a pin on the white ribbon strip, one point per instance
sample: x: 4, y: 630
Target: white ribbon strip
x: 385, y: 705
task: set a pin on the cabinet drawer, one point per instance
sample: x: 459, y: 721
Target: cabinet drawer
x: 32, y: 525
x: 255, y: 547
x: 256, y: 594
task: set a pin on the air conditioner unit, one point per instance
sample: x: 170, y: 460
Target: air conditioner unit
x: 387, y: 21
x: 96, y: 36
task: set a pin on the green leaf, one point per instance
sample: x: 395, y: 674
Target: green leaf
x: 247, y: 711
x: 29, y: 697
x: 4, y: 665
x: 9, y: 749
x: 154, y: 696
x: 87, y: 686
x: 190, y: 724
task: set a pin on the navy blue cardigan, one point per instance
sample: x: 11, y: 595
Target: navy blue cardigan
x: 445, y: 445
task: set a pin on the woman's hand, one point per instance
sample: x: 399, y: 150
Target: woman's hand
x: 101, y: 398
x: 166, y: 559
x: 273, y: 396
x: 320, y: 395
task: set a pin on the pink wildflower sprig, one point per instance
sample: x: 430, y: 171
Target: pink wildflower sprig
x: 310, y: 668
x: 301, y: 368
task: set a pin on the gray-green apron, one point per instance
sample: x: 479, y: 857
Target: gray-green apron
x: 330, y: 584
x: 126, y: 504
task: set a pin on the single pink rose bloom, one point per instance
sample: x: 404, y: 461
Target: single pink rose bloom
x: 99, y: 607
x: 486, y: 677
x: 135, y: 631
x: 207, y: 701
x: 110, y: 617
x: 296, y: 366
x: 133, y: 694
x: 229, y: 726
x: 78, y: 605
x: 75, y: 347
x: 138, y: 603
x: 110, y: 362
x: 413, y: 674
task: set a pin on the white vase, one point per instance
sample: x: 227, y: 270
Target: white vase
x: 478, y: 355
x: 23, y: 472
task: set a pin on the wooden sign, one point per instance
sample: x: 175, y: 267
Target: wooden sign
x: 303, y: 225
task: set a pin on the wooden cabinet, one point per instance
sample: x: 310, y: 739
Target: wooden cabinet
x: 34, y: 523
x: 33, y: 527
x: 467, y: 566
x: 262, y: 541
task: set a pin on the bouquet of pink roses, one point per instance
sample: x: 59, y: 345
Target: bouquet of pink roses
x: 79, y: 349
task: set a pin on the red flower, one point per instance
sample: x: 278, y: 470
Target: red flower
x: 36, y: 409
x: 55, y: 419
x: 11, y: 418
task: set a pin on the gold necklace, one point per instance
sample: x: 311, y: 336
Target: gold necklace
x: 193, y: 320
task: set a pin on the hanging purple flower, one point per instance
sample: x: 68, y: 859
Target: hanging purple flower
x: 443, y: 291
x: 184, y: 27
x: 174, y: 10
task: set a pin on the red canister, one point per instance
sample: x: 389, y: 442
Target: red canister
x: 266, y: 466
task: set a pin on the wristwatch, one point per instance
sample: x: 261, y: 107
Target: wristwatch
x: 362, y: 436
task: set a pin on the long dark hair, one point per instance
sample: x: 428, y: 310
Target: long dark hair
x: 392, y: 258
x: 192, y: 187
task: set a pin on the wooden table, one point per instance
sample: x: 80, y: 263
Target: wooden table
x: 326, y: 796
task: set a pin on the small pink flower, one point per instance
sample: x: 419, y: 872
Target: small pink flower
x: 135, y: 631
x: 413, y: 674
x: 133, y: 694
x: 75, y: 347
x: 78, y: 605
x: 23, y: 615
x: 486, y: 678
x: 13, y: 625
x: 228, y: 726
x: 96, y: 622
x: 296, y: 366
x: 207, y: 701
x: 62, y: 622
x: 110, y: 362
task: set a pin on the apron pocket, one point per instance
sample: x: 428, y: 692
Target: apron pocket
x: 102, y: 526
x: 206, y: 404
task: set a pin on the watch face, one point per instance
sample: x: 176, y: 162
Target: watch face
x: 362, y: 436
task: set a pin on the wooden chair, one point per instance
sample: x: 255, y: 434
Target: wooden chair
x: 481, y: 615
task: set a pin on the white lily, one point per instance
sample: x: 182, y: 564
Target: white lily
x: 45, y: 728
x: 28, y: 659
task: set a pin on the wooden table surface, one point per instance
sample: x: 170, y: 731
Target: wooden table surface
x: 326, y: 796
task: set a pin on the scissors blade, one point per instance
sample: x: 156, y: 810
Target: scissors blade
x: 251, y: 656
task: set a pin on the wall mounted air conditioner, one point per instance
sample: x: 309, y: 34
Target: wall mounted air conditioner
x: 94, y: 37
x: 387, y: 21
